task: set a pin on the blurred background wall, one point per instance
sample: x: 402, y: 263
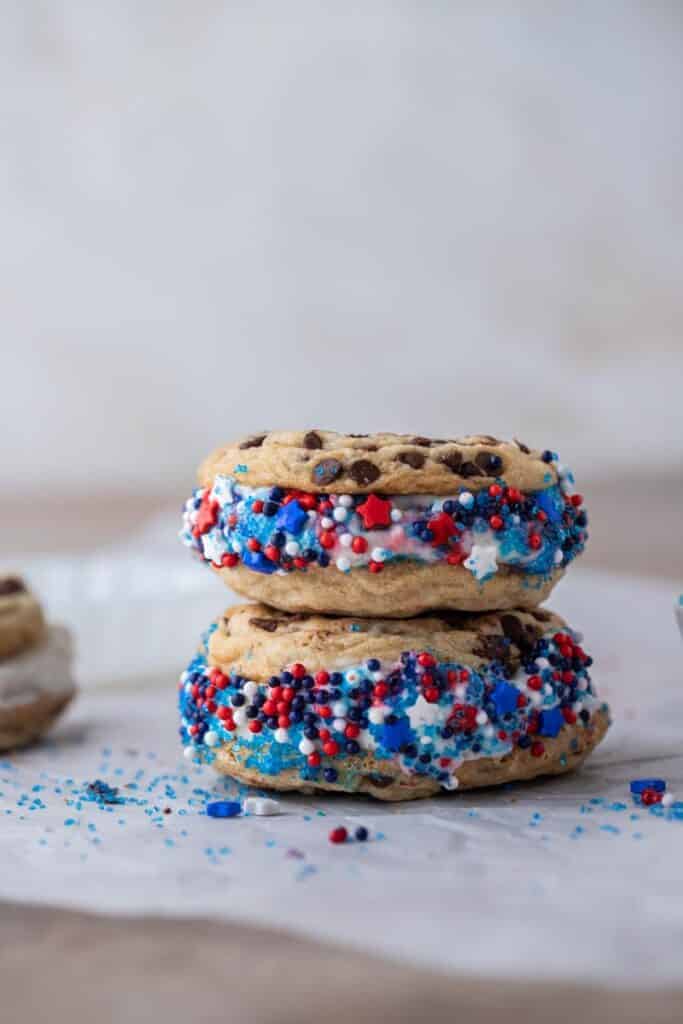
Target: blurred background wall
x: 434, y: 217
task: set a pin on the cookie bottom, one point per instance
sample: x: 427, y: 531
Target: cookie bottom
x: 401, y: 590
x: 366, y: 775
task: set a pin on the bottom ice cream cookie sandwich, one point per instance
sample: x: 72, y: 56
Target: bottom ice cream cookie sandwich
x: 397, y: 709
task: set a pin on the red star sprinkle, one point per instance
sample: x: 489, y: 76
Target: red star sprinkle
x: 442, y: 528
x: 375, y: 512
x: 207, y: 515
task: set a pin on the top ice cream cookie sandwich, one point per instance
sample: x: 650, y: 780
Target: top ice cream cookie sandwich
x: 385, y: 524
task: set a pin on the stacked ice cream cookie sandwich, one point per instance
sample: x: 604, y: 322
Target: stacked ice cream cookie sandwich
x: 396, y: 645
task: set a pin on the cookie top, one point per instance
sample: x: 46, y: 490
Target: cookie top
x: 21, y: 618
x: 324, y: 461
x: 259, y: 642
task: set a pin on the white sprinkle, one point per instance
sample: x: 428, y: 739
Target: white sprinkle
x: 535, y: 698
x: 396, y: 515
x: 461, y: 691
x: 339, y: 708
x: 292, y: 548
x: 343, y: 564
x: 306, y: 746
x: 260, y: 805
x: 377, y: 677
x: 346, y: 500
x: 378, y: 554
x: 338, y: 724
x: 352, y: 676
x: 189, y: 753
x: 558, y: 557
x: 239, y: 716
x: 211, y: 738
x: 250, y: 689
x: 482, y: 561
x: 281, y: 735
x: 547, y: 689
x: 482, y: 718
x: 376, y: 715
x: 466, y: 499
x: 339, y: 514
x: 489, y: 732
x: 667, y: 800
x: 346, y: 540
x: 327, y: 523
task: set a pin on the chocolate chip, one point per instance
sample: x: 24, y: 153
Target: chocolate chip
x: 270, y: 625
x: 492, y: 646
x: 11, y: 585
x: 453, y: 460
x: 312, y: 440
x: 469, y: 469
x: 522, y: 447
x: 254, y: 442
x: 363, y: 472
x: 423, y: 442
x: 370, y: 448
x: 415, y: 460
x: 487, y: 439
x: 488, y: 462
x: 359, y: 435
x: 327, y: 471
x: 524, y: 637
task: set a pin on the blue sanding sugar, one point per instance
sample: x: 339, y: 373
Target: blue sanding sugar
x: 223, y: 809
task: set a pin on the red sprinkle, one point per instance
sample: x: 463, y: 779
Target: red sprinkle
x: 359, y: 545
x: 496, y: 523
x: 230, y: 560
x: 535, y: 541
x: 257, y: 506
x: 537, y: 749
x: 327, y: 539
x: 650, y: 796
x: 375, y: 566
x: 338, y: 835
x: 253, y: 544
x: 255, y: 726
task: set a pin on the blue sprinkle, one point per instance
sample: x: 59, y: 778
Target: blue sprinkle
x: 551, y: 722
x: 504, y: 698
x: 223, y: 809
x: 640, y: 785
x: 291, y: 518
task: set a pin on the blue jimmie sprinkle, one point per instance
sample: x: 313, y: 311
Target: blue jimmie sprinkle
x: 223, y: 809
x: 638, y: 786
